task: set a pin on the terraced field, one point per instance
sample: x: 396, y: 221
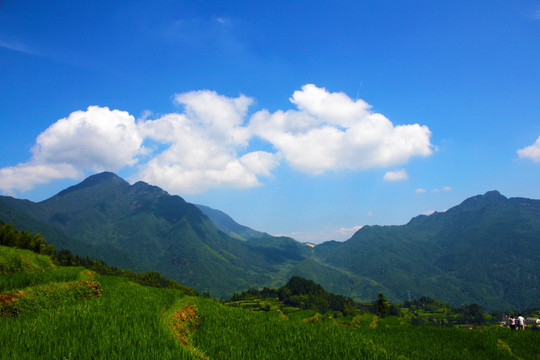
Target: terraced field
x: 114, y: 318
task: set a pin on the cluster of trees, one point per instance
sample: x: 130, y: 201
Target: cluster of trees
x: 304, y: 294
x: 12, y: 237
x: 266, y: 293
x: 307, y: 294
x: 448, y: 314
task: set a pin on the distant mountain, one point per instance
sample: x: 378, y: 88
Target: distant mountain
x: 483, y: 251
x: 230, y: 227
x: 142, y: 227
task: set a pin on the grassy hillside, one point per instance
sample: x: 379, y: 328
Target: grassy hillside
x: 126, y: 320
x: 22, y: 261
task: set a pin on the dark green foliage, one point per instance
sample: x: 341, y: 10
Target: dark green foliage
x: 23, y: 240
x: 383, y: 305
x: 425, y: 303
x: 482, y: 251
x: 230, y: 227
x: 470, y: 314
x: 150, y: 278
x: 143, y: 228
x: 265, y: 293
x: 303, y: 294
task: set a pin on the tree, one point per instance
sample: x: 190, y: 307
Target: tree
x: 383, y: 305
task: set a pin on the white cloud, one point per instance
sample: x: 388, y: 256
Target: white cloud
x: 531, y: 152
x: 207, y: 145
x: 319, y: 237
x: 260, y: 162
x: 429, y: 212
x: 348, y: 232
x: 96, y: 139
x: 396, y: 175
x: 420, y: 191
x: 24, y: 177
x: 443, y: 189
x: 330, y: 131
x: 204, y: 146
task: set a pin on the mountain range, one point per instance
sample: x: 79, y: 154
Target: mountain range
x: 484, y: 250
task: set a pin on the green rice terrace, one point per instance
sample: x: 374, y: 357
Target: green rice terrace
x: 50, y: 311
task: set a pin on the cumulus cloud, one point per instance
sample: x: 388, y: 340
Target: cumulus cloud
x: 396, y: 175
x: 24, y: 177
x: 420, y: 191
x: 204, y: 146
x: 330, y: 131
x: 96, y: 139
x: 531, y: 152
x: 208, y: 144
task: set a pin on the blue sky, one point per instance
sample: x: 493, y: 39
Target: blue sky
x: 306, y: 119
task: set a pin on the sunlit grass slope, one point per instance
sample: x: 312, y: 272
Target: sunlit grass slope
x: 123, y: 323
x: 233, y: 333
x: 60, y: 320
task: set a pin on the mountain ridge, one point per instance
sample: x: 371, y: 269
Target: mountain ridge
x: 480, y: 251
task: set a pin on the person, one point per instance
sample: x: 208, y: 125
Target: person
x: 512, y: 321
x: 521, y: 321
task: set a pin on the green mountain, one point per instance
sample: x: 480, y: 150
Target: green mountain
x: 230, y: 227
x: 142, y: 227
x: 483, y: 251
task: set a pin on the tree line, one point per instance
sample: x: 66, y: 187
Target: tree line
x: 12, y: 237
x: 306, y: 294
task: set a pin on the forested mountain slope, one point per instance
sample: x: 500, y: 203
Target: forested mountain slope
x: 485, y: 250
x: 157, y: 231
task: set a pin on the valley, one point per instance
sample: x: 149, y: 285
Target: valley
x: 481, y: 251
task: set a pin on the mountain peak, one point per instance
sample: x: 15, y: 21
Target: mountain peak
x: 104, y: 177
x: 494, y: 195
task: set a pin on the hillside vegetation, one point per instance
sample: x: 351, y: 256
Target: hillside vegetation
x: 481, y: 251
x: 60, y: 312
x: 130, y: 321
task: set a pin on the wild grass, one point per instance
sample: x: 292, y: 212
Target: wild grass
x: 25, y: 279
x: 124, y: 323
x: 233, y: 333
x: 131, y: 321
x: 16, y: 260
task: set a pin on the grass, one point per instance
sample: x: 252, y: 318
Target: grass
x: 61, y: 317
x: 25, y: 279
x: 16, y: 260
x: 234, y: 333
x: 124, y: 323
